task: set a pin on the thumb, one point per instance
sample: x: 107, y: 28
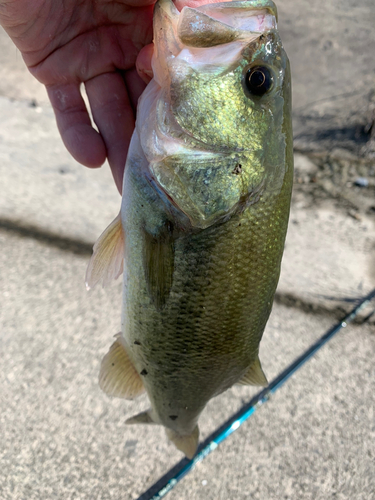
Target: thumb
x: 143, y: 62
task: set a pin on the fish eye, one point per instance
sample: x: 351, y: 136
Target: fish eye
x: 258, y: 80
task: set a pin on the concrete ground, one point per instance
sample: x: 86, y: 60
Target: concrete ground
x: 61, y: 437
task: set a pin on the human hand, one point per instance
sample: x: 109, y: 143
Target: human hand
x: 95, y: 43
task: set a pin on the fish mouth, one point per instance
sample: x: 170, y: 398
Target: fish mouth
x: 207, y: 26
x: 220, y: 23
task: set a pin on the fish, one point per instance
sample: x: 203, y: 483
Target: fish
x: 204, y: 214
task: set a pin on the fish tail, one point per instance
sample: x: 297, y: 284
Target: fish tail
x: 188, y: 444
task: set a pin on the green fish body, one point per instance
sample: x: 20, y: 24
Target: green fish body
x: 204, y: 215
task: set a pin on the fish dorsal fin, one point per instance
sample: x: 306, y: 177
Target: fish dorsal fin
x: 187, y: 444
x: 254, y: 375
x: 107, y: 260
x: 197, y: 29
x: 118, y: 376
x: 142, y: 418
x: 159, y: 264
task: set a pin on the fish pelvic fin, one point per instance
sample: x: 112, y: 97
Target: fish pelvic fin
x: 118, y: 376
x: 107, y: 261
x: 142, y: 418
x: 254, y: 375
x: 188, y: 444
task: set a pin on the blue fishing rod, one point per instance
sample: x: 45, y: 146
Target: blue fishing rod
x: 167, y: 482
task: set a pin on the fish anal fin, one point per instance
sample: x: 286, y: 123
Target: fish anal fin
x: 254, y: 375
x: 159, y: 264
x: 118, y: 376
x: 107, y: 260
x: 142, y: 418
x: 187, y: 444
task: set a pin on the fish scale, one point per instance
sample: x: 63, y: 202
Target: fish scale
x: 204, y: 214
x: 227, y: 262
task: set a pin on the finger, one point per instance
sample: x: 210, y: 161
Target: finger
x: 114, y: 117
x: 74, y: 124
x: 135, y: 86
x: 143, y: 63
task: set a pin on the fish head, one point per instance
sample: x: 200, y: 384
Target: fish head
x: 219, y: 107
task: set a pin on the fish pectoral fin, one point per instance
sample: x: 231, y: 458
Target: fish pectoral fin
x: 107, y: 260
x: 187, y: 444
x: 159, y: 264
x: 254, y: 375
x: 142, y: 418
x: 118, y: 376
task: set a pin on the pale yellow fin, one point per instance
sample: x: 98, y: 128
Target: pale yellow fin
x: 254, y: 375
x: 107, y: 260
x: 142, y: 418
x: 187, y: 444
x: 118, y: 377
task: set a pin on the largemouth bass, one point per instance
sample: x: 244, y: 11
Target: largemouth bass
x: 204, y: 214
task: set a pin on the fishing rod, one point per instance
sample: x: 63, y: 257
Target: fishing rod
x: 167, y: 482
